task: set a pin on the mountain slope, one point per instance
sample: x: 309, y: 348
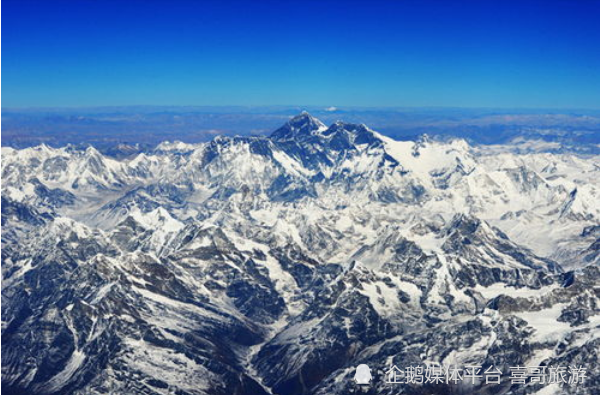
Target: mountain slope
x: 276, y: 265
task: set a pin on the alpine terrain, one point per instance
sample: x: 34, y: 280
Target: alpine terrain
x: 277, y: 265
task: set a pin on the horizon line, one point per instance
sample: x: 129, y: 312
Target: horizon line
x: 326, y: 108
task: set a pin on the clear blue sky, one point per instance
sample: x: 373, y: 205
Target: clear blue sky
x: 388, y: 53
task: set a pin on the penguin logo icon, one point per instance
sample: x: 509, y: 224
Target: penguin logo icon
x: 363, y: 374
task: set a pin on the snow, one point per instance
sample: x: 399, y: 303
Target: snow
x: 496, y: 289
x: 177, y: 146
x: 283, y: 281
x: 102, y: 292
x: 297, y: 330
x: 170, y: 366
x: 443, y: 283
x: 384, y: 299
x: 526, y: 195
x: 461, y: 357
x: 17, y: 194
x: 547, y: 327
x: 62, y: 378
x: 291, y: 165
x: 23, y: 267
x: 158, y: 219
x: 163, y: 226
x: 486, y: 191
x: 429, y: 242
x: 550, y: 389
x: 160, y: 300
x: 62, y: 224
x: 432, y: 156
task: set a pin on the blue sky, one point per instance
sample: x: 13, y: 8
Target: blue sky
x: 391, y: 53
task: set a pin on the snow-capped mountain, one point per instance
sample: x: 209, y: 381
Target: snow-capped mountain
x: 276, y: 265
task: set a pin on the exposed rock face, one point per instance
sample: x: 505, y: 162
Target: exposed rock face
x: 277, y: 265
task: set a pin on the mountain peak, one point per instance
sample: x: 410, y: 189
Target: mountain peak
x: 301, y: 125
x: 304, y: 115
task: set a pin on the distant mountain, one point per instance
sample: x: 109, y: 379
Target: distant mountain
x: 127, y: 130
x: 277, y: 264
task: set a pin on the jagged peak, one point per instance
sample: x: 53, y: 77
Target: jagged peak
x: 354, y: 133
x: 92, y: 151
x: 155, y: 219
x: 42, y: 148
x: 466, y: 223
x: 300, y: 125
x: 304, y: 116
x: 350, y: 127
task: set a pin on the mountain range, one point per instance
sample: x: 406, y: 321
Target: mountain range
x: 277, y: 264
